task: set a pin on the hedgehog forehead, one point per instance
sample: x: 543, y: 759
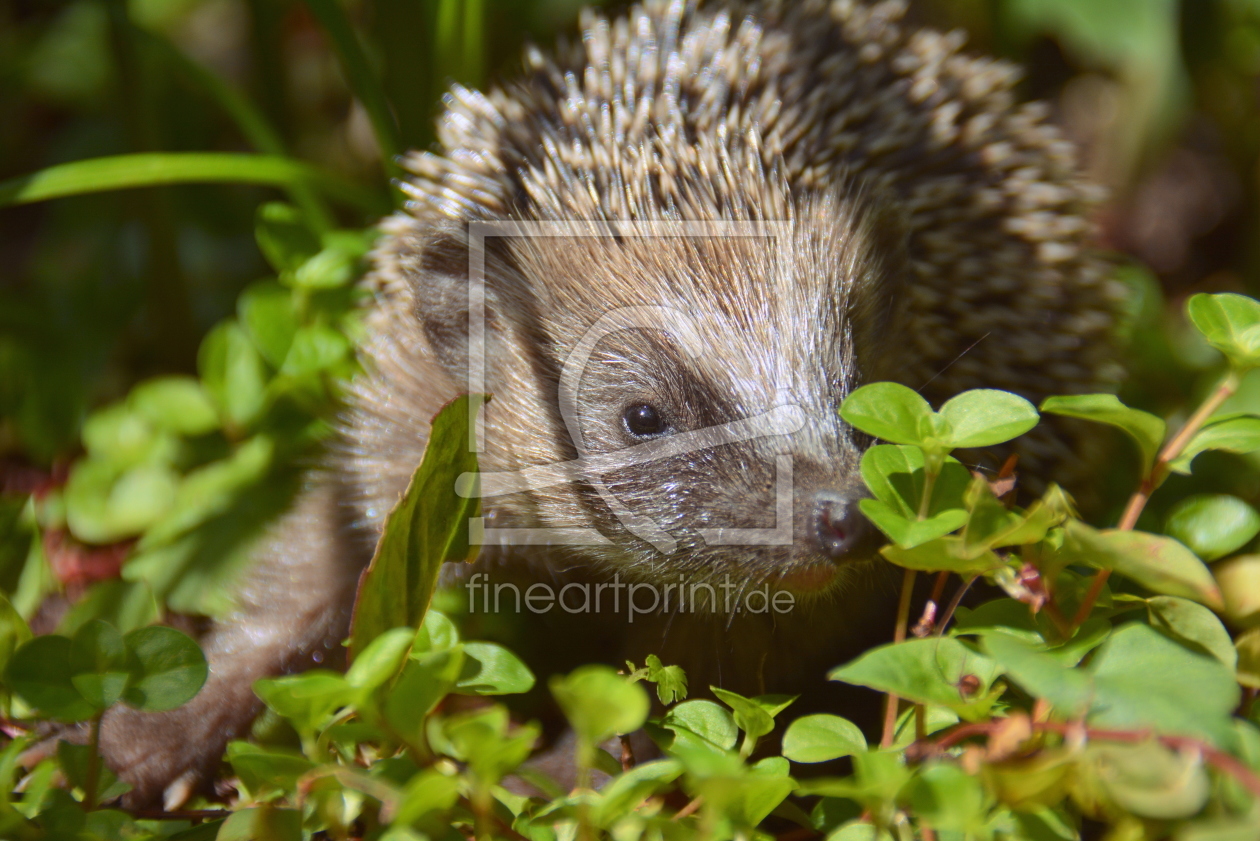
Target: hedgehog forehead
x: 756, y: 314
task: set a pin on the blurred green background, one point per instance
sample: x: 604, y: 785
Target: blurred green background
x: 98, y: 292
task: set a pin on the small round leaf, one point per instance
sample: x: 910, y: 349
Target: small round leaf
x: 819, y: 738
x: 984, y: 417
x: 600, y: 703
x: 40, y: 672
x: 1212, y: 525
x: 890, y: 411
x: 171, y: 669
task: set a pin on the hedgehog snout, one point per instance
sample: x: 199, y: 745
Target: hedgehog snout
x: 839, y: 526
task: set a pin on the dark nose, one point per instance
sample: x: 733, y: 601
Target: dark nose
x: 838, y: 523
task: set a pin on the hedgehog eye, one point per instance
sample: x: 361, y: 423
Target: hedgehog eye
x: 642, y: 420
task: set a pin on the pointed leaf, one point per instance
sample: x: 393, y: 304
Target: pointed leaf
x: 1143, y: 427
x: 1160, y: 564
x: 427, y: 527
x: 1231, y: 434
x: 927, y: 671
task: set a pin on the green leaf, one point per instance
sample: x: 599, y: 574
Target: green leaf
x: 895, y: 476
x: 381, y: 660
x: 627, y: 791
x: 1143, y: 427
x: 212, y: 490
x: 267, y: 769
x: 120, y: 436
x: 266, y: 312
x: 283, y: 237
x: 74, y: 762
x: 1230, y: 433
x: 1148, y: 779
x: 417, y: 692
x: 153, y: 169
x: 330, y: 268
x: 822, y: 737
x: 1212, y: 525
x: 1042, y: 675
x: 1143, y: 679
x: 1229, y: 322
x: 40, y: 671
x: 100, y: 663
x: 926, y: 671
x: 436, y: 633
x: 427, y: 798
x: 233, y: 373
x: 307, y: 700
x: 948, y: 798
x: 599, y: 703
x: 704, y: 718
x: 944, y: 553
x: 482, y: 739
x: 907, y: 532
x: 1138, y: 679
x: 13, y: 632
x: 176, y: 404
x: 671, y: 681
x: 427, y: 527
x: 750, y: 716
x: 984, y: 417
x: 313, y: 350
x: 1160, y: 564
x: 172, y: 669
x: 262, y: 822
x: 491, y: 669
x: 892, y: 412
x: 104, y: 505
x: 1192, y: 625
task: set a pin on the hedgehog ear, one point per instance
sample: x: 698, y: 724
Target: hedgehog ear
x: 446, y: 297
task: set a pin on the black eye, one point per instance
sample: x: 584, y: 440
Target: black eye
x: 643, y: 420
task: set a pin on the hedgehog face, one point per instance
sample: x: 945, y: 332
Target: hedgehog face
x: 676, y: 385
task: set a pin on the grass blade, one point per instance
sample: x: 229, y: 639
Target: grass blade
x: 152, y: 169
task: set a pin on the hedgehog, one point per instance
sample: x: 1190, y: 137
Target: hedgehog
x: 668, y: 251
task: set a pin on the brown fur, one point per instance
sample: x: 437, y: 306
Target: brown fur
x: 933, y: 232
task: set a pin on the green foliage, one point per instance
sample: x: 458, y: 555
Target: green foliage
x: 1104, y: 685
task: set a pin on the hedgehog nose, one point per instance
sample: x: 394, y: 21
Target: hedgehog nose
x: 838, y: 524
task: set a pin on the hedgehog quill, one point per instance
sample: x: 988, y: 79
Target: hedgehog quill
x: 904, y: 219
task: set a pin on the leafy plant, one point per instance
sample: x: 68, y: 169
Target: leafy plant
x: 1102, y: 686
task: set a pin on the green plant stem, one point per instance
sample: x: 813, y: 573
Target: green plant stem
x: 899, y: 635
x: 1155, y: 477
x: 480, y: 802
x: 93, y: 764
x: 931, y: 470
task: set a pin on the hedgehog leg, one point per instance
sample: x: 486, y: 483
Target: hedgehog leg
x: 294, y: 611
